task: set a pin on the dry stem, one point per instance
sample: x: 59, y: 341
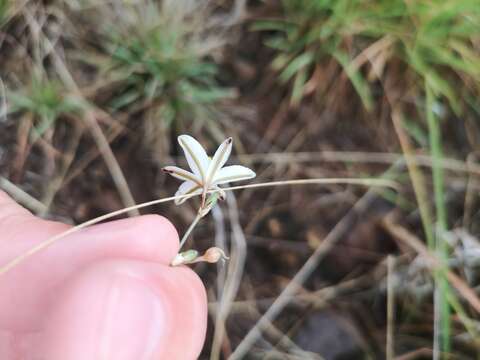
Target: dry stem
x: 44, y: 244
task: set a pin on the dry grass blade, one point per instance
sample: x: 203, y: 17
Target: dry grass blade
x: 359, y: 157
x: 234, y: 276
x: 416, y: 354
x: 67, y: 160
x: 21, y: 196
x: 220, y: 242
x: 310, y: 265
x: 390, y: 353
x: 319, y: 298
x: 91, y: 122
x: 52, y: 240
x: 434, y: 262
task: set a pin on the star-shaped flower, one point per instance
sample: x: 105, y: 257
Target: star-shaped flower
x: 207, y: 173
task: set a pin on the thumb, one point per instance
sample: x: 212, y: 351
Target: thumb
x: 111, y: 309
x: 126, y: 310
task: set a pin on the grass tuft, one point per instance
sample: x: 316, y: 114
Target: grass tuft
x: 165, y: 61
x: 45, y: 100
x: 430, y: 39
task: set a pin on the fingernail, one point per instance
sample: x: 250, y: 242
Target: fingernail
x: 135, y: 320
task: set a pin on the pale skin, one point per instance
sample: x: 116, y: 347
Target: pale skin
x: 106, y: 292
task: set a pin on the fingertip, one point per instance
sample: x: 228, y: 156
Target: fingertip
x: 188, y: 276
x: 160, y: 234
x: 188, y: 298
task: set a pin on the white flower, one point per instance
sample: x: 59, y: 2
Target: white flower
x: 207, y: 173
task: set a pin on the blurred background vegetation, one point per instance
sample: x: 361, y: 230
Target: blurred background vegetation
x: 94, y: 94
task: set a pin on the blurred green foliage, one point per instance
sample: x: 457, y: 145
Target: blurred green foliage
x: 4, y: 11
x: 162, y: 61
x: 435, y: 39
x: 45, y: 99
x: 434, y: 42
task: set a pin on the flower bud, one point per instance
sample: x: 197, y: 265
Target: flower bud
x: 185, y: 257
x: 214, y: 254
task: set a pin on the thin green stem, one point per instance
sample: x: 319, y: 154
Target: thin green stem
x: 189, y: 230
x: 440, y: 245
x: 416, y: 176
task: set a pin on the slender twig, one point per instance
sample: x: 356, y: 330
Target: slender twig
x: 316, y: 299
x: 44, y: 244
x: 21, y: 196
x: 416, y: 354
x: 284, y: 341
x: 390, y: 308
x: 220, y: 242
x: 234, y: 276
x: 4, y: 106
x: 310, y: 265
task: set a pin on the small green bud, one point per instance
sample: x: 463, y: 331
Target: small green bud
x: 185, y: 257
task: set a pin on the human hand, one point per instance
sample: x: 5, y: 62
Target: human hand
x: 106, y: 292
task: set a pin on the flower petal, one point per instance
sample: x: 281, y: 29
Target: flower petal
x: 196, y: 156
x: 219, y: 159
x: 182, y: 174
x: 233, y: 173
x: 187, y: 188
